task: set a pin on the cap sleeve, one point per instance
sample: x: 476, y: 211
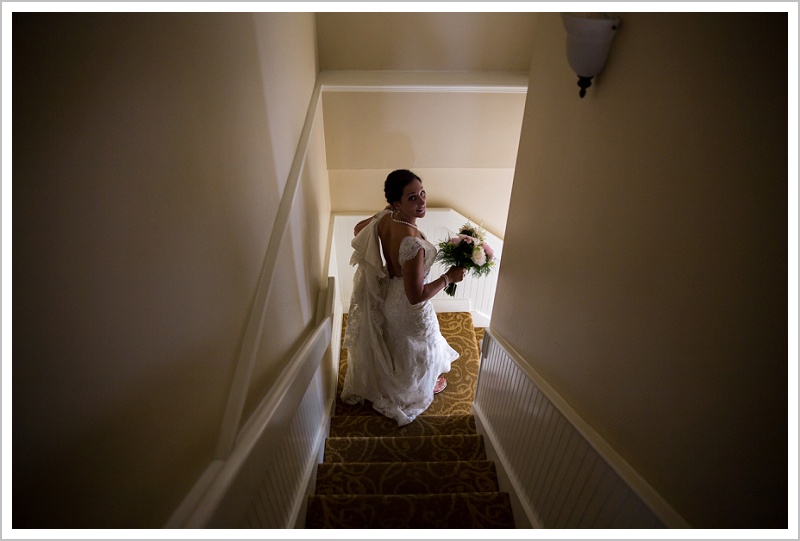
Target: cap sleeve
x: 409, y: 247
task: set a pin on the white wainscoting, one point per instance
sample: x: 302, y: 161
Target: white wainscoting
x: 562, y: 474
x: 475, y: 295
x: 265, y: 480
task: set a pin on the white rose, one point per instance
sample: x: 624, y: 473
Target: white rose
x: 478, y: 256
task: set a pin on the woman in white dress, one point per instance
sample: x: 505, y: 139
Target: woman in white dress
x: 396, y: 351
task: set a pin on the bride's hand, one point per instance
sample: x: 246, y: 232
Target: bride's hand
x: 456, y: 274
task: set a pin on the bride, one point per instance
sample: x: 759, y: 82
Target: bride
x: 396, y: 351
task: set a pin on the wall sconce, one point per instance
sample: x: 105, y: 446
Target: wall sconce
x: 589, y: 38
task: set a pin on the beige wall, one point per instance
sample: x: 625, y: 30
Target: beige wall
x: 646, y: 249
x: 150, y: 155
x: 425, y: 41
x: 372, y: 130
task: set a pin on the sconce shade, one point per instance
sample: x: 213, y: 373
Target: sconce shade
x: 589, y: 38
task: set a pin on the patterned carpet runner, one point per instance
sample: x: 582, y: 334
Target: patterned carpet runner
x: 431, y: 473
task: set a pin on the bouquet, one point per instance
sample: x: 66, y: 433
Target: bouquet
x: 468, y: 250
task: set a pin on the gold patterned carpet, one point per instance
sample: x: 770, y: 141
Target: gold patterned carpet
x: 431, y: 473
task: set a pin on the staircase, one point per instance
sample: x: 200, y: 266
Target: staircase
x: 431, y: 473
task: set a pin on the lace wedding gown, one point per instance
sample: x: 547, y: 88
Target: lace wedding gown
x: 395, y: 349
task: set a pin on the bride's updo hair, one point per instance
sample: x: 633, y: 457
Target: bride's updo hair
x: 396, y: 182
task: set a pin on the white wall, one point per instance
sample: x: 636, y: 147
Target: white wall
x: 150, y: 154
x: 645, y: 267
x: 479, y: 194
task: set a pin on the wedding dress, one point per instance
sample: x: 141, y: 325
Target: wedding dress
x: 395, y: 349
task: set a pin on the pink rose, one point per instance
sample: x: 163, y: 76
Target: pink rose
x: 489, y: 252
x: 467, y: 239
x: 454, y: 241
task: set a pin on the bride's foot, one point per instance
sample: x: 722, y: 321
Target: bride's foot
x: 440, y: 384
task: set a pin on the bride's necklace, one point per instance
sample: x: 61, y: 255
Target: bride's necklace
x: 402, y: 222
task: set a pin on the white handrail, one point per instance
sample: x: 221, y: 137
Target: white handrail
x: 255, y: 324
x: 227, y: 485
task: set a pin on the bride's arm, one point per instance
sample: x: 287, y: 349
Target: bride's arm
x: 414, y: 284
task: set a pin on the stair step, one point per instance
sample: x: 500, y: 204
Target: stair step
x: 424, y: 425
x: 463, y: 510
x: 406, y: 477
x: 405, y: 449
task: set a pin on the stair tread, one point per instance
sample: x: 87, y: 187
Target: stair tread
x: 431, y: 437
x: 454, y: 510
x: 405, y: 448
x: 425, y: 425
x: 406, y: 477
